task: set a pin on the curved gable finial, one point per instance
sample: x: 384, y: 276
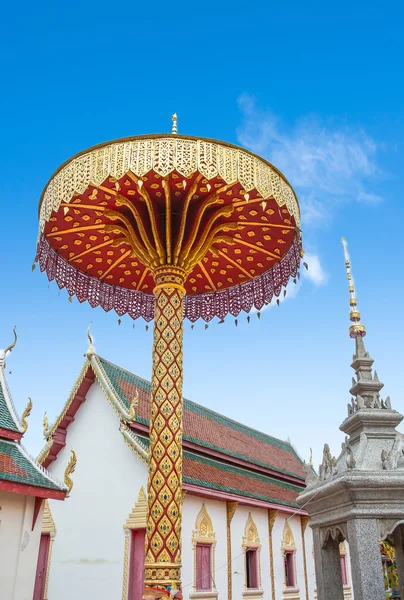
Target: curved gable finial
x: 288, y: 541
x: 251, y: 537
x: 203, y: 526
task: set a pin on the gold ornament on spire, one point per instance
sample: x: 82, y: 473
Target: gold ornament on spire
x: 25, y: 415
x: 357, y: 329
x: 45, y: 425
x: 174, y: 120
x: 71, y: 465
x: 133, y: 406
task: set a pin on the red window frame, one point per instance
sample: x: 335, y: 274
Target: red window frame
x: 289, y: 564
x: 251, y: 565
x: 203, y: 568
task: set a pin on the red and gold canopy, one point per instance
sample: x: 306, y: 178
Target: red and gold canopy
x: 114, y: 213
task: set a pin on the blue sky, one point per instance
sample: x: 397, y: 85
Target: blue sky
x: 314, y: 87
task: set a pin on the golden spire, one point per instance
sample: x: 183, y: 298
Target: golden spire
x: 174, y: 120
x: 357, y: 329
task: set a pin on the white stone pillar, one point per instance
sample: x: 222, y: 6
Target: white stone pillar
x: 328, y: 569
x: 366, y: 561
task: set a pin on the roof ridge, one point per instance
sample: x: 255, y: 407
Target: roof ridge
x: 8, y: 400
x: 284, y: 443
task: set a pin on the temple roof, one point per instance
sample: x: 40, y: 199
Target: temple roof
x: 19, y: 472
x: 9, y: 421
x: 221, y: 456
x: 207, y: 428
x: 17, y: 466
x: 216, y: 475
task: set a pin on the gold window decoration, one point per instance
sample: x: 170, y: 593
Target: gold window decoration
x: 204, y: 534
x: 288, y: 548
x: 251, y: 541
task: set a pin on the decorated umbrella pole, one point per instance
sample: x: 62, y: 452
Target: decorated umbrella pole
x: 169, y: 227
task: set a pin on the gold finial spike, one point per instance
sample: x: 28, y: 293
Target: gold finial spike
x: 25, y: 415
x: 90, y: 350
x: 174, y: 120
x: 11, y: 346
x: 71, y: 465
x: 357, y: 329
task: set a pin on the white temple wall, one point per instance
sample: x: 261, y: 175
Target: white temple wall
x: 19, y: 546
x: 217, y: 512
x: 88, y: 551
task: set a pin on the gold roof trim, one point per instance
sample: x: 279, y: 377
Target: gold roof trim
x: 164, y: 154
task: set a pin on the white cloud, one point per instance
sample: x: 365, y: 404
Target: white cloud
x: 315, y: 272
x: 326, y: 163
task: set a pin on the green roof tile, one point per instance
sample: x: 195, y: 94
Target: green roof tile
x: 17, y: 466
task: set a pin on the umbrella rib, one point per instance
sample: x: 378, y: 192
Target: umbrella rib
x: 166, y: 187
x: 120, y: 259
x: 235, y: 263
x: 259, y: 224
x: 258, y: 248
x: 208, y: 277
x: 143, y: 192
x: 92, y: 249
x: 146, y: 270
x: 121, y: 200
x: 184, y: 214
x: 74, y: 229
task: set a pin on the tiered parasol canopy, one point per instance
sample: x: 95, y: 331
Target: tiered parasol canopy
x: 112, y: 214
x: 169, y: 226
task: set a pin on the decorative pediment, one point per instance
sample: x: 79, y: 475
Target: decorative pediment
x: 48, y: 524
x: 138, y: 517
x: 288, y: 541
x: 203, y: 531
x: 251, y: 538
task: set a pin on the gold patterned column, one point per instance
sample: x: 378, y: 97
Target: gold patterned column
x: 303, y: 524
x: 230, y: 510
x: 271, y: 521
x: 163, y: 533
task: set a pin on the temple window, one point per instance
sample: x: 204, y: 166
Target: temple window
x: 289, y: 569
x: 252, y: 549
x: 344, y: 565
x: 289, y: 562
x: 204, y: 543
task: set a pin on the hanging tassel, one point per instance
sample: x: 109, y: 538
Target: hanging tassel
x: 284, y: 293
x: 236, y: 322
x: 294, y: 281
x: 221, y: 322
x: 248, y: 318
x: 306, y: 266
x: 133, y: 326
x: 277, y: 301
x: 206, y: 326
x: 70, y: 299
x: 119, y: 321
x: 259, y: 315
x: 147, y: 327
x: 298, y: 274
x: 33, y: 267
x: 192, y: 326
